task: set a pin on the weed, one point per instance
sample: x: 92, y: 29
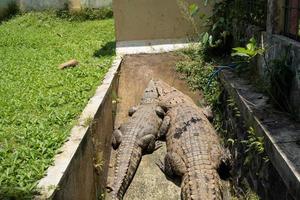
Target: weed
x: 88, y: 121
x: 98, y: 161
x: 39, y: 102
x: 254, y: 146
x: 197, y: 73
x: 86, y: 14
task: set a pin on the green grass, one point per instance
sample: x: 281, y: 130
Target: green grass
x: 39, y: 103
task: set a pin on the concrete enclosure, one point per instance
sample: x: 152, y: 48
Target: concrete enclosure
x: 155, y: 19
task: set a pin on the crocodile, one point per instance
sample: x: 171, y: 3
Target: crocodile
x: 134, y: 138
x: 194, y: 151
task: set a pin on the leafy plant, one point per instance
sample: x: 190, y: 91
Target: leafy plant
x: 245, y: 55
x: 229, y: 20
x: 250, y: 51
x: 254, y: 146
x: 217, y: 33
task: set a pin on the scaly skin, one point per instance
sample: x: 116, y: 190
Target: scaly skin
x: 135, y: 137
x: 193, y: 148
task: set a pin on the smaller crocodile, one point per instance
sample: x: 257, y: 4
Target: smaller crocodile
x: 134, y: 138
x: 194, y: 152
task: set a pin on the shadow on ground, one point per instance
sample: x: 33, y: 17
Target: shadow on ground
x: 107, y: 50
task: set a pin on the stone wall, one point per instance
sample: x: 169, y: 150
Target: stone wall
x: 250, y: 169
x: 95, y: 3
x: 277, y: 45
x: 28, y: 5
x: 264, y: 142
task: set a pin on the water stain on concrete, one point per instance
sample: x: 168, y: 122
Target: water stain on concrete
x: 136, y: 71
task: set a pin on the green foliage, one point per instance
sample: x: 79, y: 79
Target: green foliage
x: 193, y: 9
x: 86, y: 14
x: 39, y: 103
x: 243, y: 56
x: 229, y: 20
x: 254, y: 146
x: 197, y: 73
x: 250, y: 51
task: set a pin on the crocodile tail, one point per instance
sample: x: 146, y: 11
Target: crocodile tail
x: 200, y: 184
x: 128, y: 160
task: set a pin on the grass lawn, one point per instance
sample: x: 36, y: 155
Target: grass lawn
x: 39, y: 103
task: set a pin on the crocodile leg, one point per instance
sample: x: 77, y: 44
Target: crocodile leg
x: 221, y: 156
x: 147, y: 143
x: 116, y: 138
x: 164, y: 127
x: 208, y: 113
x: 173, y: 165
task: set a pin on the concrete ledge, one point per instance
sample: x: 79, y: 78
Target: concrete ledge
x: 281, y: 135
x: 151, y: 46
x: 80, y: 170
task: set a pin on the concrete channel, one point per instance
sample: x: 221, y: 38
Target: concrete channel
x: 136, y: 71
x: 85, y: 164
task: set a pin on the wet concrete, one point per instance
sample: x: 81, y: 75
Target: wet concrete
x: 149, y: 182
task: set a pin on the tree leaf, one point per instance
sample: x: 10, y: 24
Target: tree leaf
x: 193, y: 9
x: 205, y: 38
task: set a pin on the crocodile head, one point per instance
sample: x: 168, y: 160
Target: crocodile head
x: 169, y: 96
x: 150, y: 93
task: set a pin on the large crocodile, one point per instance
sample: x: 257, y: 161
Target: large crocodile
x: 134, y: 138
x: 194, y: 152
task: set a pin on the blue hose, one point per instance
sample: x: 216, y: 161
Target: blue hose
x: 218, y: 69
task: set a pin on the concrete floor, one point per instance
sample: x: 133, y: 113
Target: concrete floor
x: 149, y: 182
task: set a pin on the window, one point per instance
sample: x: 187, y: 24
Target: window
x: 292, y: 19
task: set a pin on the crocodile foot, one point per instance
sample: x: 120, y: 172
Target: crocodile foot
x: 109, y: 188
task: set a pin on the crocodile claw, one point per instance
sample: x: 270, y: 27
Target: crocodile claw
x: 160, y: 165
x: 158, y: 145
x: 109, y: 188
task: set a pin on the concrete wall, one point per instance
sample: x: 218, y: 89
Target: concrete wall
x: 278, y: 45
x: 27, y: 5
x: 153, y: 19
x: 243, y: 107
x: 96, y: 3
x: 281, y: 46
